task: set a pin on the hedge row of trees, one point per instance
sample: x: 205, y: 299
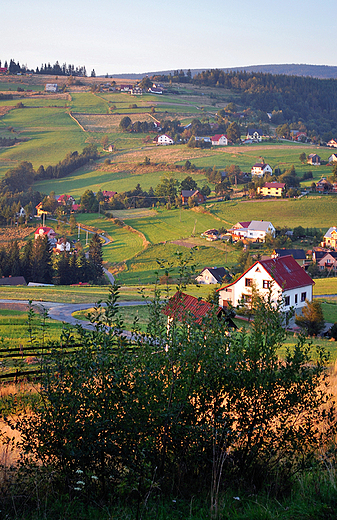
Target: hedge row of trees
x: 36, y: 262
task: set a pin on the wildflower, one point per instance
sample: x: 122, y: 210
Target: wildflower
x: 94, y: 477
x: 79, y: 472
x: 77, y: 489
x: 80, y: 483
x: 236, y: 498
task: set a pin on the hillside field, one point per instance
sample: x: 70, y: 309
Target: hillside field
x: 56, y: 124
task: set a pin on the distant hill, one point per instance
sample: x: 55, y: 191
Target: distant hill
x: 292, y: 69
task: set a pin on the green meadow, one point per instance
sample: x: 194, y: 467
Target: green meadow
x: 309, y: 211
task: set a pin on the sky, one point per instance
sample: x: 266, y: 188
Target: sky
x: 134, y: 36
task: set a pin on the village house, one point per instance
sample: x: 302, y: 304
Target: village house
x: 13, y: 280
x: 45, y: 231
x: 260, y: 169
x: 136, y: 91
x: 40, y: 211
x: 330, y: 238
x: 332, y: 143
x: 281, y: 276
x: 333, y: 158
x: 323, y: 185
x: 298, y: 255
x: 108, y: 195
x: 185, y: 308
x: 272, y: 189
x: 193, y: 194
x: 51, y: 87
x: 211, y: 275
x: 314, y: 159
x: 254, y: 230
x: 66, y: 200
x: 219, y: 140
x: 164, y: 139
x: 62, y: 245
x: 325, y: 259
x: 254, y: 134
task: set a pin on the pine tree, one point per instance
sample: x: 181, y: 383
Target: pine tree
x: 96, y: 258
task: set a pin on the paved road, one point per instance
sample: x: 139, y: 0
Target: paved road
x: 63, y: 311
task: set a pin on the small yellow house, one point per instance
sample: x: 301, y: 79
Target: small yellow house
x: 272, y: 189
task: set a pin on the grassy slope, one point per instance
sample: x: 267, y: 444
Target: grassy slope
x: 316, y: 211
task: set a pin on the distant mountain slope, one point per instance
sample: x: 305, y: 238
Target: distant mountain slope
x: 315, y: 71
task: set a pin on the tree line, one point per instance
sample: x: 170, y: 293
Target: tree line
x: 46, y: 68
x: 36, y: 262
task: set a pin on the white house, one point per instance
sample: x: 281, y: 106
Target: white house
x: 51, y: 87
x: 211, y: 275
x: 333, y: 157
x: 282, y: 276
x: 219, y: 140
x: 254, y: 134
x: 260, y: 169
x: 164, y: 139
x: 332, y: 143
x: 254, y: 230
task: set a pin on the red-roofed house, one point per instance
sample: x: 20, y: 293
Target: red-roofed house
x: 183, y: 307
x: 45, y: 231
x: 219, y: 140
x: 109, y: 195
x: 282, y: 275
x: 66, y: 200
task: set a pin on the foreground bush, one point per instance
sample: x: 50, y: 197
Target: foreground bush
x: 181, y: 410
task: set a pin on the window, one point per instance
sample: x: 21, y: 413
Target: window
x: 287, y: 301
x: 303, y: 296
x: 248, y: 282
x: 266, y: 284
x: 295, y: 298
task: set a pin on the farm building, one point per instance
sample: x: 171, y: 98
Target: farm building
x: 323, y: 185
x: 51, y: 87
x: 332, y: 143
x: 186, y: 194
x: 254, y: 230
x: 314, y: 159
x: 13, y: 280
x: 272, y: 189
x: 260, y: 169
x: 282, y: 276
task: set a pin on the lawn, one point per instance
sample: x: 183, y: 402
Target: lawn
x: 325, y: 286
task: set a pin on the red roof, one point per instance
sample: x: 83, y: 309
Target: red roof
x: 274, y: 185
x: 182, y: 305
x: 44, y: 229
x: 217, y: 137
x: 109, y: 193
x: 286, y: 272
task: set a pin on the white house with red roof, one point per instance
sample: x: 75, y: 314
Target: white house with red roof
x: 282, y: 276
x: 219, y: 140
x: 45, y: 231
x: 164, y: 139
x: 332, y: 143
